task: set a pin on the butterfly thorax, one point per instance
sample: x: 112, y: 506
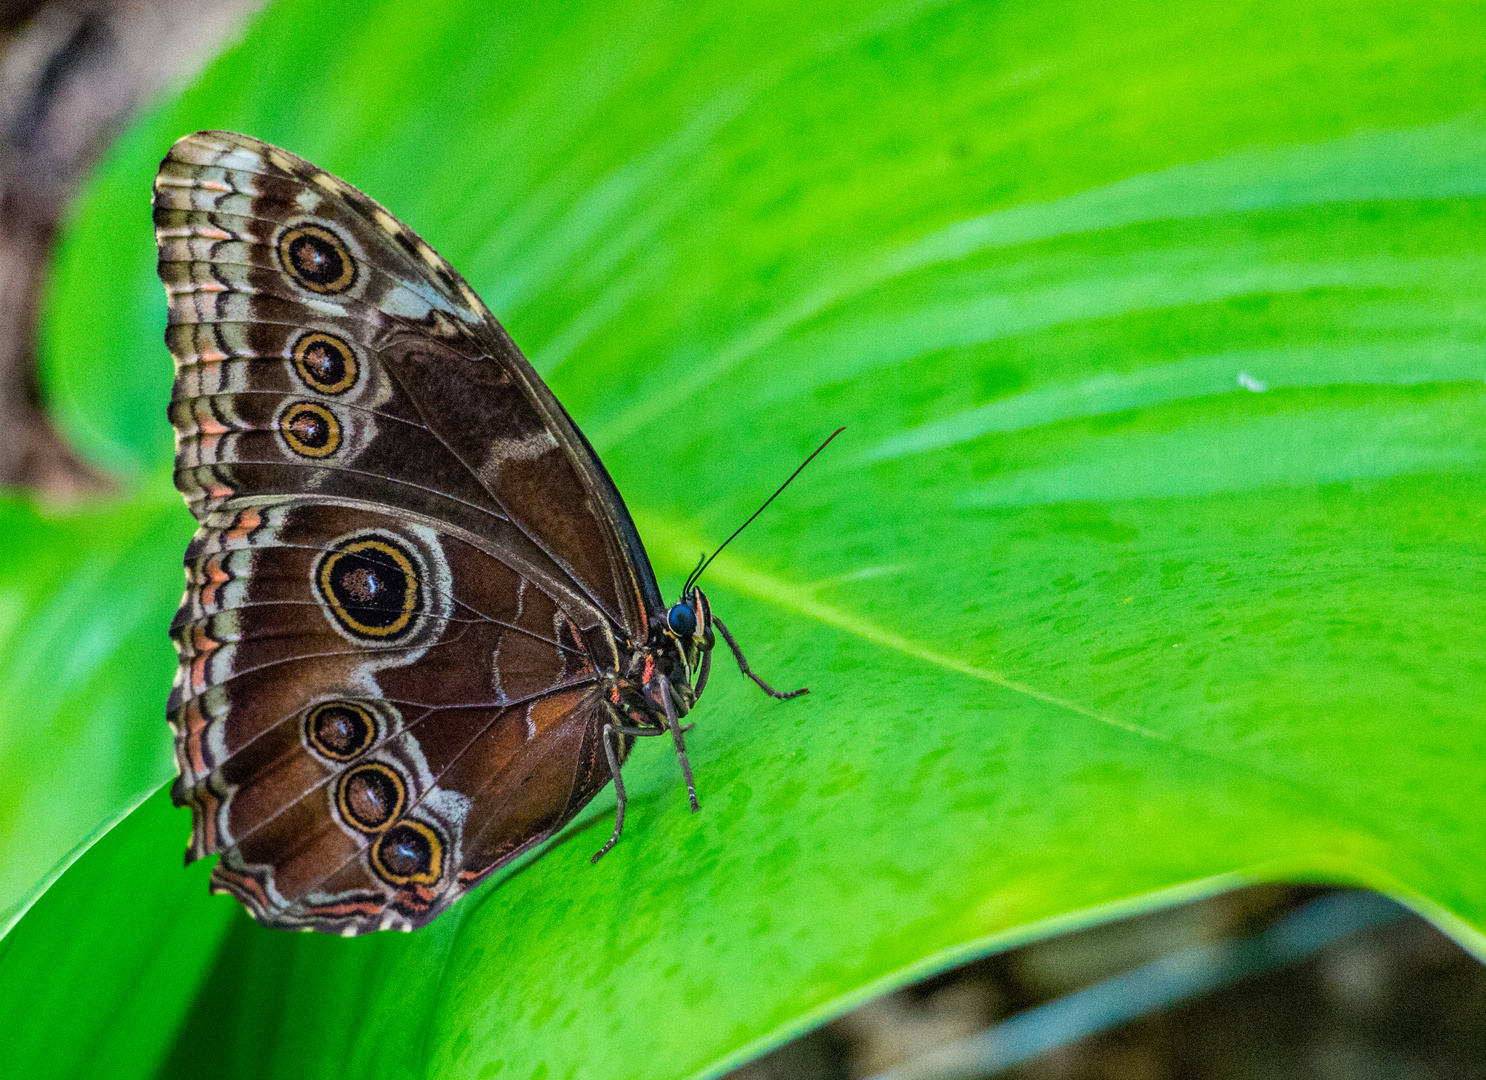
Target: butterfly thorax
x: 670, y: 668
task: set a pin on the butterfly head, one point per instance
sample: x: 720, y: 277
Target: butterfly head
x: 690, y: 621
x: 681, y: 641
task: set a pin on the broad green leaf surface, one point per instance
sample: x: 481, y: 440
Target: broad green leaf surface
x: 1151, y: 561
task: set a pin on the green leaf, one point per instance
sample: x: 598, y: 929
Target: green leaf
x: 83, y: 667
x: 101, y: 972
x: 1151, y: 560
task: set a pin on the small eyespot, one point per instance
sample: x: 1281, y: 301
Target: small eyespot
x: 340, y: 730
x: 409, y: 853
x: 682, y: 620
x: 370, y: 796
x: 325, y: 363
x: 317, y: 259
x: 310, y: 430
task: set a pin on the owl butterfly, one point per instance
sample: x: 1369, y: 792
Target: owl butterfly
x: 420, y: 631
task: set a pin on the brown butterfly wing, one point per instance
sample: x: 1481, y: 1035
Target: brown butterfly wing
x: 234, y: 214
x: 406, y: 585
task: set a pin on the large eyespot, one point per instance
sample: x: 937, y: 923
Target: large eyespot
x: 408, y: 853
x: 369, y: 586
x: 311, y: 430
x: 317, y: 259
x: 682, y: 619
x: 339, y: 730
x: 325, y: 363
x: 370, y: 797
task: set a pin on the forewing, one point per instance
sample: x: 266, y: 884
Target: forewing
x: 281, y: 278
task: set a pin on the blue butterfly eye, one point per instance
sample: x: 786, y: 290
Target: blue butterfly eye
x: 682, y: 620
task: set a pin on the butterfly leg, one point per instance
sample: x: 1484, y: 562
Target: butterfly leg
x: 676, y: 700
x: 637, y: 732
x: 701, y: 684
x: 743, y: 666
x: 676, y: 737
x: 608, y: 737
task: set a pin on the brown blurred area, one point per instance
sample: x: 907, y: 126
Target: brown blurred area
x: 72, y: 74
x: 1399, y: 1001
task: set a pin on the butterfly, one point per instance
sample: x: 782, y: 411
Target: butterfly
x: 420, y: 631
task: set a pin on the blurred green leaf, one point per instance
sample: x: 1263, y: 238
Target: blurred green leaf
x: 103, y: 972
x: 1151, y: 560
x: 82, y: 666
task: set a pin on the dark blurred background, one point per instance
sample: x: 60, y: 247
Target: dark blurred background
x: 72, y: 73
x: 1386, y: 995
x: 1390, y: 998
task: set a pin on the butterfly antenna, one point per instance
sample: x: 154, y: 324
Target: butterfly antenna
x: 701, y: 562
x: 697, y: 573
